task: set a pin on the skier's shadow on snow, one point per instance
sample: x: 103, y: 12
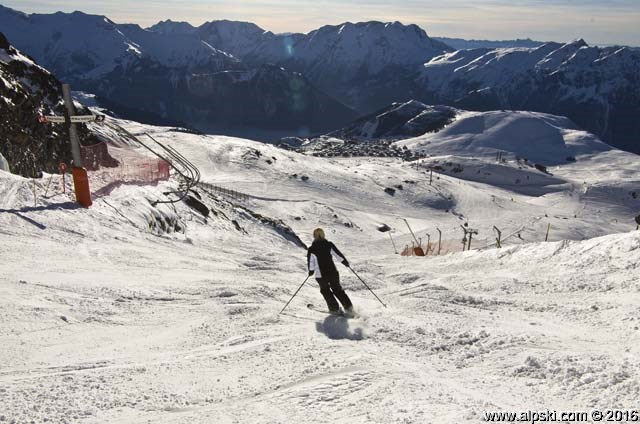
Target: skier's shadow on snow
x: 337, y: 328
x: 19, y: 212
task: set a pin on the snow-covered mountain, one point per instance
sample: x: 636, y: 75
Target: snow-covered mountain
x: 370, y: 65
x: 81, y: 46
x: 344, y: 51
x: 598, y: 88
x: 373, y: 134
x: 536, y: 137
x: 26, y: 91
x: 244, y: 40
x: 414, y: 131
x: 171, y: 27
x: 365, y: 65
x: 171, y: 76
x: 349, y: 61
x: 398, y: 121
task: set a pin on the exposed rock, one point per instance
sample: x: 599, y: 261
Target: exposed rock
x: 26, y: 90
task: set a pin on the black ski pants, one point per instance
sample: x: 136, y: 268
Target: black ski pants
x: 331, y: 289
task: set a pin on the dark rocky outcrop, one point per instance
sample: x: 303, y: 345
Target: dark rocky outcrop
x: 26, y: 90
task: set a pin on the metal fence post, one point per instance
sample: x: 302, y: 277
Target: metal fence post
x: 499, y: 239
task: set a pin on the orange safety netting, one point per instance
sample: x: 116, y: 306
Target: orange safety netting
x: 110, y: 166
x: 445, y: 247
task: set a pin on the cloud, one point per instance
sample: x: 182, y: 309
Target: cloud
x: 601, y: 21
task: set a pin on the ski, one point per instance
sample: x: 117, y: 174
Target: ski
x: 342, y: 314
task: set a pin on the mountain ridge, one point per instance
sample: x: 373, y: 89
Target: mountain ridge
x: 170, y: 75
x: 598, y: 88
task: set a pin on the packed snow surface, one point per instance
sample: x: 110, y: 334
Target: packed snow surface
x: 126, y: 312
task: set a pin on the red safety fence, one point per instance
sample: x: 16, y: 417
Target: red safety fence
x: 445, y: 247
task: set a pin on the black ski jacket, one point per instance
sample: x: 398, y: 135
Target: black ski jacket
x: 320, y: 258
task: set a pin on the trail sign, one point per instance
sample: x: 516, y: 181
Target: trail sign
x: 87, y: 118
x: 52, y: 119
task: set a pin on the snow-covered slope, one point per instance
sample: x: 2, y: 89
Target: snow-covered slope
x: 127, y: 312
x: 598, y: 88
x: 538, y: 137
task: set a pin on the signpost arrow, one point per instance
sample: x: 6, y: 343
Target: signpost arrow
x: 53, y: 119
x: 87, y: 118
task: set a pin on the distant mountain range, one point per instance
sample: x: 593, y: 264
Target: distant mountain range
x: 225, y: 75
x: 398, y: 121
x: 178, y: 78
x: 597, y: 88
x: 354, y: 63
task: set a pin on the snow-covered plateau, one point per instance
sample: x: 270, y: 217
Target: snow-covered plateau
x: 132, y: 313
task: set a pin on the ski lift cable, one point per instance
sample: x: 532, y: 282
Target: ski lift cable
x: 188, y: 168
x: 185, y: 168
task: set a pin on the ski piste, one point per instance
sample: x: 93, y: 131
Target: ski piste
x: 342, y: 313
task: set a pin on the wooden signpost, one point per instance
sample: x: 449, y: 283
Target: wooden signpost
x: 80, y: 178
x: 499, y: 239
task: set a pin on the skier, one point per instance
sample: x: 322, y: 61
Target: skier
x: 320, y: 260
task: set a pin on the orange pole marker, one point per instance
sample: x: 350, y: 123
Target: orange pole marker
x: 81, y: 186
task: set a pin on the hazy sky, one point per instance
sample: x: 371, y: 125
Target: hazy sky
x: 598, y: 22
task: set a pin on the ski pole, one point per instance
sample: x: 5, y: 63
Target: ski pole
x: 365, y: 284
x: 294, y: 295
